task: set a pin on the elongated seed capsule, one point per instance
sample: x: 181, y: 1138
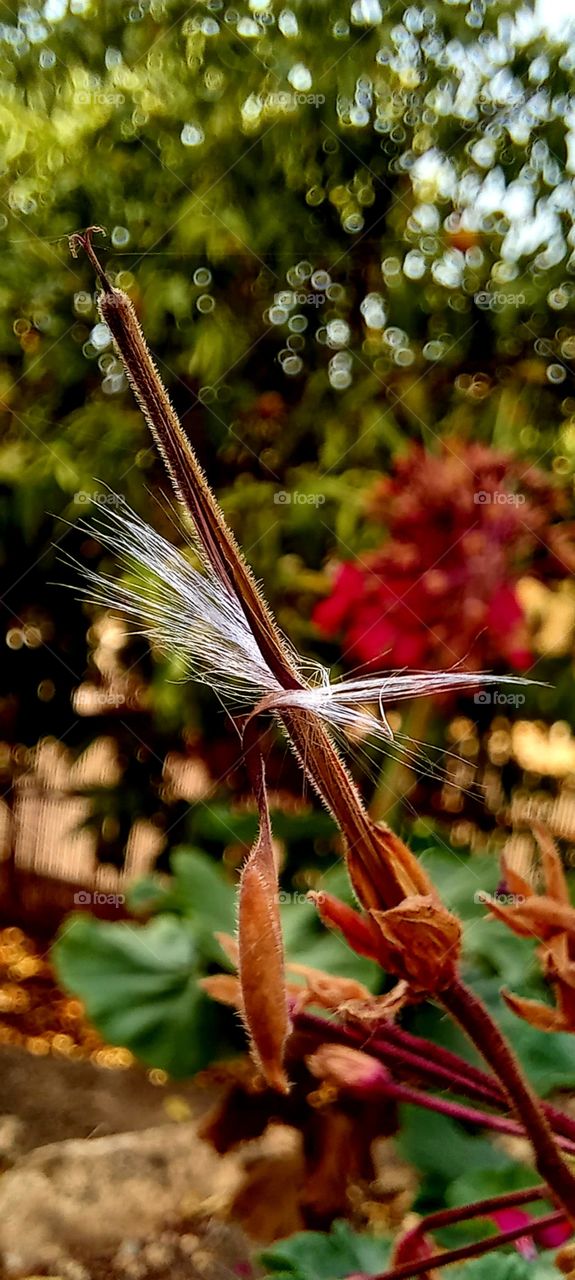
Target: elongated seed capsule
x: 382, y: 868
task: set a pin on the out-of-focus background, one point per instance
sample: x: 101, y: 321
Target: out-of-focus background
x: 348, y: 233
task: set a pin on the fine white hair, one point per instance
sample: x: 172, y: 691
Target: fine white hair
x: 186, y: 610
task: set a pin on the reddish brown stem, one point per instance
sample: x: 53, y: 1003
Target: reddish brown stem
x: 475, y: 1082
x: 434, y: 1070
x: 486, y: 1084
x: 390, y: 870
x: 465, y: 1115
x: 465, y: 1078
x: 479, y: 1209
x: 472, y: 1015
x: 430, y: 1074
x: 478, y: 1083
x: 421, y: 1265
x: 394, y: 1055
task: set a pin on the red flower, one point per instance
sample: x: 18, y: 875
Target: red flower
x: 463, y: 525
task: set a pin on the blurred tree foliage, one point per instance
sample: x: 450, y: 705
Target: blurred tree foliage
x: 342, y: 227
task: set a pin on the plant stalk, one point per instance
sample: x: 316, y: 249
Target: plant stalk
x: 422, y: 1265
x: 391, y: 870
x: 478, y: 1209
x: 458, y: 1111
x: 474, y: 1018
x: 388, y: 872
x: 429, y: 1073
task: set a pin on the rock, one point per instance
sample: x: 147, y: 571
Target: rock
x: 81, y: 1197
x: 12, y: 1140
x: 56, y: 1098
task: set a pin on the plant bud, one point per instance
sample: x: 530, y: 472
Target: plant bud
x: 350, y: 1070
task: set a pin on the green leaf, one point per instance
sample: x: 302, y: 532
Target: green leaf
x: 315, y: 1255
x: 198, y: 891
x: 308, y: 941
x: 443, y: 1151
x: 508, y: 1266
x: 138, y: 984
x: 148, y: 895
x: 479, y: 1184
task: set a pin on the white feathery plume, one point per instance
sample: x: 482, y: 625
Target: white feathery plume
x: 343, y: 702
x: 190, y: 612
x: 183, y: 610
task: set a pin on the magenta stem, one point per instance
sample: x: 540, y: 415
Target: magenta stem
x: 421, y: 1265
x: 487, y: 1084
x: 458, y: 1111
x: 479, y: 1209
x: 433, y: 1071
x: 396, y: 1056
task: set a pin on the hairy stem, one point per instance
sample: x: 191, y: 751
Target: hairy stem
x: 421, y: 1266
x: 487, y: 1087
x: 458, y: 1111
x: 414, y: 1064
x: 472, y: 1015
x: 475, y: 1082
x: 466, y: 1212
x: 429, y: 1073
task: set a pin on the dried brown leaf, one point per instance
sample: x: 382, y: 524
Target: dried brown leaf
x: 515, y: 882
x: 377, y: 1010
x: 326, y: 989
x: 224, y: 988
x: 542, y: 1016
x: 539, y: 917
x: 229, y: 947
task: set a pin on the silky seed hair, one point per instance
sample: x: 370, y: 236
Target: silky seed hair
x: 191, y: 613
